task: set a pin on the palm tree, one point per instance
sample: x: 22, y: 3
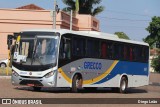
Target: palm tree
x: 85, y: 6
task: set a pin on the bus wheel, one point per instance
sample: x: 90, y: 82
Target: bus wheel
x: 76, y: 83
x: 36, y: 88
x: 123, y: 85
x: 3, y: 65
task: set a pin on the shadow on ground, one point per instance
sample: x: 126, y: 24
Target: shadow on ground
x: 5, y: 71
x: 67, y: 90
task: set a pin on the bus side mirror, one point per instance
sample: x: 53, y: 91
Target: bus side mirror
x: 16, y: 35
x: 9, y: 41
x: 12, y: 48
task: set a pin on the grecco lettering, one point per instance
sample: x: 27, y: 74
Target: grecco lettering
x: 93, y: 65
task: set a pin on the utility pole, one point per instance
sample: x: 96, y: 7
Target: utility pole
x: 71, y: 20
x: 54, y: 14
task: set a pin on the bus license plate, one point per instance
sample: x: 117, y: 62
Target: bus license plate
x: 30, y: 84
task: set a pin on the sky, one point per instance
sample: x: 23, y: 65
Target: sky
x: 128, y: 16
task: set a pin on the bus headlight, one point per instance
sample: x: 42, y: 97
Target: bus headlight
x: 15, y: 73
x: 49, y: 74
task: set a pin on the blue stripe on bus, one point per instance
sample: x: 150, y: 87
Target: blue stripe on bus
x: 129, y: 68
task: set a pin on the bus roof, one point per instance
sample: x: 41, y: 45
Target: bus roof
x: 94, y: 34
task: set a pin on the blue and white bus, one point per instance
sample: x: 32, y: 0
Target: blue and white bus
x: 78, y: 59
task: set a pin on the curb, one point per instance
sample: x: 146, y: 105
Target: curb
x: 154, y: 83
x: 5, y: 77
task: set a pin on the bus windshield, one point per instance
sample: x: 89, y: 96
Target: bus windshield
x: 40, y: 50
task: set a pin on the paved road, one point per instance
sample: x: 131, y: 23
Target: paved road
x: 150, y: 91
x: 9, y: 91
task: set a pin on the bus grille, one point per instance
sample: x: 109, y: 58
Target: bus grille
x: 31, y: 77
x: 35, y: 82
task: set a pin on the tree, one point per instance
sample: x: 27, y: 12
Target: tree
x: 154, y: 30
x: 156, y: 64
x: 153, y: 39
x: 122, y: 35
x: 85, y: 6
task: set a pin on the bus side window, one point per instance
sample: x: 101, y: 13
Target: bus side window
x: 136, y: 52
x: 126, y: 52
x: 113, y: 50
x: 93, y: 48
x: 116, y: 51
x: 78, y: 47
x: 146, y: 54
x: 131, y: 54
x: 110, y: 52
x: 65, y: 48
x: 103, y: 50
x: 120, y: 51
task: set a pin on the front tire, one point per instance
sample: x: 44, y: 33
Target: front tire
x: 76, y: 83
x: 123, y: 85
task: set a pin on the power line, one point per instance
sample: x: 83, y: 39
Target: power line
x: 128, y: 13
x: 136, y: 27
x: 130, y: 27
x: 113, y: 18
x: 104, y: 24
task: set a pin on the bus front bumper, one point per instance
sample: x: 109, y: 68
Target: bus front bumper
x: 34, y: 81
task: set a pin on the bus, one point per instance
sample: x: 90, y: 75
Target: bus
x: 78, y: 59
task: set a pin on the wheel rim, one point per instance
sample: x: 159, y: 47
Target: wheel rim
x: 77, y: 83
x: 123, y: 85
x: 3, y: 65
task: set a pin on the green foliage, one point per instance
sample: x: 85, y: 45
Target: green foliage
x: 152, y: 38
x: 150, y: 41
x: 85, y: 6
x: 97, y: 10
x: 70, y: 5
x: 154, y: 30
x: 122, y: 35
x: 156, y: 64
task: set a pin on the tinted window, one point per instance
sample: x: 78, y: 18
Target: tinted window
x: 110, y: 52
x: 93, y: 48
x: 65, y: 48
x: 126, y: 53
x: 78, y: 47
x: 103, y: 50
x: 116, y: 51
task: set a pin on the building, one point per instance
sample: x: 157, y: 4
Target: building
x: 32, y: 16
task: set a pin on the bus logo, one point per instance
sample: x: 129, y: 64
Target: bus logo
x: 93, y: 65
x: 30, y: 73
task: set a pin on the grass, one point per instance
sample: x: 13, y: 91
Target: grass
x: 3, y: 71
